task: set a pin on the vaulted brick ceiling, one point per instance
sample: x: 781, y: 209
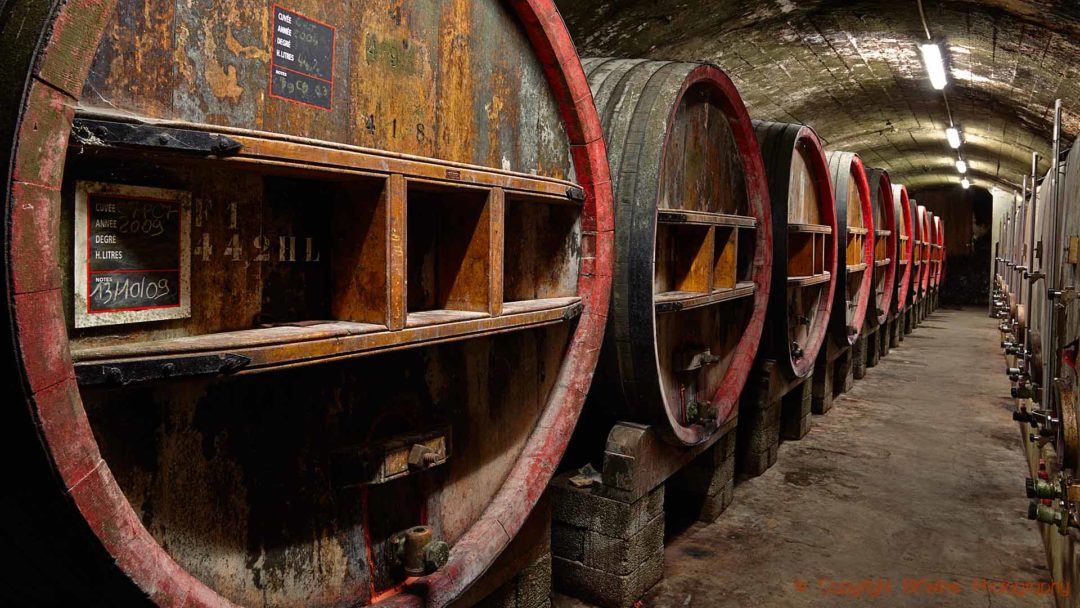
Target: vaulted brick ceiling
x: 852, y: 70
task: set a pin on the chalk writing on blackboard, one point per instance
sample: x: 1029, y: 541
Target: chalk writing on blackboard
x: 301, y: 59
x: 132, y: 256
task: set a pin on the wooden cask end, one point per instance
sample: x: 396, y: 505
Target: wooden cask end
x: 855, y: 223
x: 886, y: 236
x: 693, y: 244
x: 922, y: 235
x: 905, y: 270
x: 385, y: 240
x: 804, y: 245
x: 918, y: 216
x: 939, y: 251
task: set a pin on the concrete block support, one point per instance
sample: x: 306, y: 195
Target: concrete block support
x: 833, y: 376
x: 858, y: 358
x: 707, y: 485
x: 796, y: 413
x: 605, y: 551
x: 845, y: 373
x: 759, y: 421
x: 873, y: 347
x: 531, y: 588
x: 607, y: 534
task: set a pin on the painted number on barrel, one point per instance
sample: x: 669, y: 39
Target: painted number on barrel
x: 302, y: 59
x: 132, y: 262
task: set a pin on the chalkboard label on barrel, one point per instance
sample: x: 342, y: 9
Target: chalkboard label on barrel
x: 302, y: 59
x: 132, y: 256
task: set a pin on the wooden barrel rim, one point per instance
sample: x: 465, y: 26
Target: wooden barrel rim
x: 931, y: 221
x: 901, y: 200
x: 60, y: 66
x: 849, y: 163
x: 939, y: 238
x: 637, y: 319
x: 924, y: 241
x: 943, y: 253
x: 915, y: 293
x: 793, y: 136
x: 883, y: 186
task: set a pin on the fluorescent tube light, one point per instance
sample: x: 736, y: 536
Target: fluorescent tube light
x: 953, y: 134
x: 935, y: 65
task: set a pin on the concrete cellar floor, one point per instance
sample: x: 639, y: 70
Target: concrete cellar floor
x: 910, y: 492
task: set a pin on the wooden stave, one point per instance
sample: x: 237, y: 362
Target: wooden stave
x: 778, y: 141
x: 94, y: 520
x: 842, y: 165
x: 621, y: 87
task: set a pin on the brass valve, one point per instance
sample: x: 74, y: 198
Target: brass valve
x: 701, y: 411
x: 418, y: 552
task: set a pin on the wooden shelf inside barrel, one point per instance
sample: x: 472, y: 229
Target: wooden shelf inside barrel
x: 406, y: 252
x: 674, y: 301
x: 861, y: 266
x: 680, y: 216
x: 809, y: 228
x: 882, y: 262
x: 321, y: 341
x: 808, y: 280
x: 857, y: 230
x: 269, y: 150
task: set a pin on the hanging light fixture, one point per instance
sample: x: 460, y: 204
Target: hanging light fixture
x: 961, y: 166
x: 935, y: 65
x: 965, y: 183
x: 953, y: 135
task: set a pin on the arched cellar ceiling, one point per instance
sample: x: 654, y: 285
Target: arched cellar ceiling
x: 852, y: 70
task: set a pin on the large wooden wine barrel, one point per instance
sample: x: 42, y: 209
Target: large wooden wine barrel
x: 305, y: 298
x: 886, y: 236
x: 804, y: 246
x: 943, y: 253
x: 935, y: 252
x: 939, y: 261
x: 921, y: 237
x: 855, y: 219
x: 905, y: 254
x: 927, y: 243
x: 693, y: 250
x: 943, y: 256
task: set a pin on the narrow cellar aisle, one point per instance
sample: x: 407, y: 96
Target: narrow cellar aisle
x: 914, y: 481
